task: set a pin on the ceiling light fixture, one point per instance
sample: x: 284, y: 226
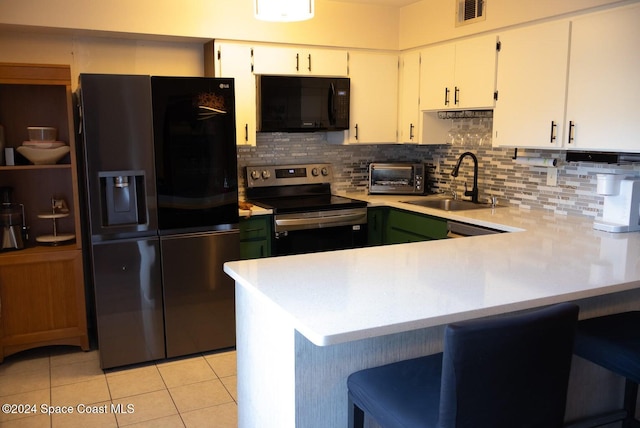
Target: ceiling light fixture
x: 283, y: 10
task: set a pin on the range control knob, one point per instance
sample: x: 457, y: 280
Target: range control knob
x: 314, y: 172
x: 325, y: 171
x: 255, y: 174
x: 266, y: 174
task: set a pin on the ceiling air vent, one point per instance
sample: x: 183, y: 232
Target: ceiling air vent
x: 470, y: 11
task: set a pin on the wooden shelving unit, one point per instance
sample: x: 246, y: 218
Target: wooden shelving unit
x: 42, y: 298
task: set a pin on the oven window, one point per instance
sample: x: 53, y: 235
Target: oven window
x: 392, y: 177
x: 316, y: 240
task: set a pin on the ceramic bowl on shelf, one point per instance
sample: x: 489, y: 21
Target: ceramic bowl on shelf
x: 44, y: 144
x: 42, y: 133
x: 39, y: 156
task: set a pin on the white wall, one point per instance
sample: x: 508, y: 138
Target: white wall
x: 431, y: 21
x: 165, y: 37
x: 103, y: 55
x: 335, y: 24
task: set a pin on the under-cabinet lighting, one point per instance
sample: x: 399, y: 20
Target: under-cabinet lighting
x: 283, y: 10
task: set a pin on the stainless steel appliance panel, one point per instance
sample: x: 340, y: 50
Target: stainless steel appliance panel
x: 199, y: 298
x: 117, y: 145
x: 128, y: 296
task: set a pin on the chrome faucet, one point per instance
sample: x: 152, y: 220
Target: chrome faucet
x: 474, y: 191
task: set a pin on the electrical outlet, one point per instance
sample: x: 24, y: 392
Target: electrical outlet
x: 552, y: 176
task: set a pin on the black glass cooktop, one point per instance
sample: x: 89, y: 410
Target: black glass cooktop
x: 308, y: 203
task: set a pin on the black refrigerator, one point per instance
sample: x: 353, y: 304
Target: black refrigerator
x: 159, y: 177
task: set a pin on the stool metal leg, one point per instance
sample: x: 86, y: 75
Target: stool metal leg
x: 630, y: 399
x: 356, y: 415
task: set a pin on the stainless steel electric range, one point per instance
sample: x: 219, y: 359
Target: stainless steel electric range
x: 307, y: 216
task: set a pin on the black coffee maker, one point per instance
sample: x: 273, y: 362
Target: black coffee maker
x: 12, y: 227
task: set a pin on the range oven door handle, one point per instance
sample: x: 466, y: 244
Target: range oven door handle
x: 319, y: 220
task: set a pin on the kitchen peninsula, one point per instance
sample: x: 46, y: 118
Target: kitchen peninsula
x: 306, y: 322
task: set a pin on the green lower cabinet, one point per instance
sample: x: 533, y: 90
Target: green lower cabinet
x: 404, y: 226
x: 255, y: 237
x: 376, y: 223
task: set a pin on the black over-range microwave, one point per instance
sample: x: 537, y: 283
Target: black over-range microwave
x: 302, y: 104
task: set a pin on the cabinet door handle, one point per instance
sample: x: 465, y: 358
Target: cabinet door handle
x: 456, y: 96
x: 446, y: 96
x: 246, y: 132
x: 356, y: 132
x: 297, y: 62
x: 411, y: 131
x: 309, y: 58
x: 571, y: 126
x: 553, y: 133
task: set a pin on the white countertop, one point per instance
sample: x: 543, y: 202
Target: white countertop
x: 340, y: 296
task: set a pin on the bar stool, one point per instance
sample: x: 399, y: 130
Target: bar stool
x: 613, y: 342
x: 503, y: 372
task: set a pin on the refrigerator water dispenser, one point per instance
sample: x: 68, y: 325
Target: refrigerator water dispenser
x: 122, y: 198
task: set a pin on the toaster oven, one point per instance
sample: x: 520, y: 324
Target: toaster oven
x: 397, y: 178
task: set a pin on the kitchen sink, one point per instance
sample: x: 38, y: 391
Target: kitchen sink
x: 449, y: 204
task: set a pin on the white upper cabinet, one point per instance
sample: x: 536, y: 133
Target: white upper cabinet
x: 234, y: 60
x: 293, y: 60
x: 603, y: 101
x: 409, y: 102
x: 532, y: 80
x: 459, y: 75
x: 437, y: 76
x: 571, y: 86
x: 374, y: 95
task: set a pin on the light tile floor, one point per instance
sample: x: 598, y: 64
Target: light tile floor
x: 193, y: 392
